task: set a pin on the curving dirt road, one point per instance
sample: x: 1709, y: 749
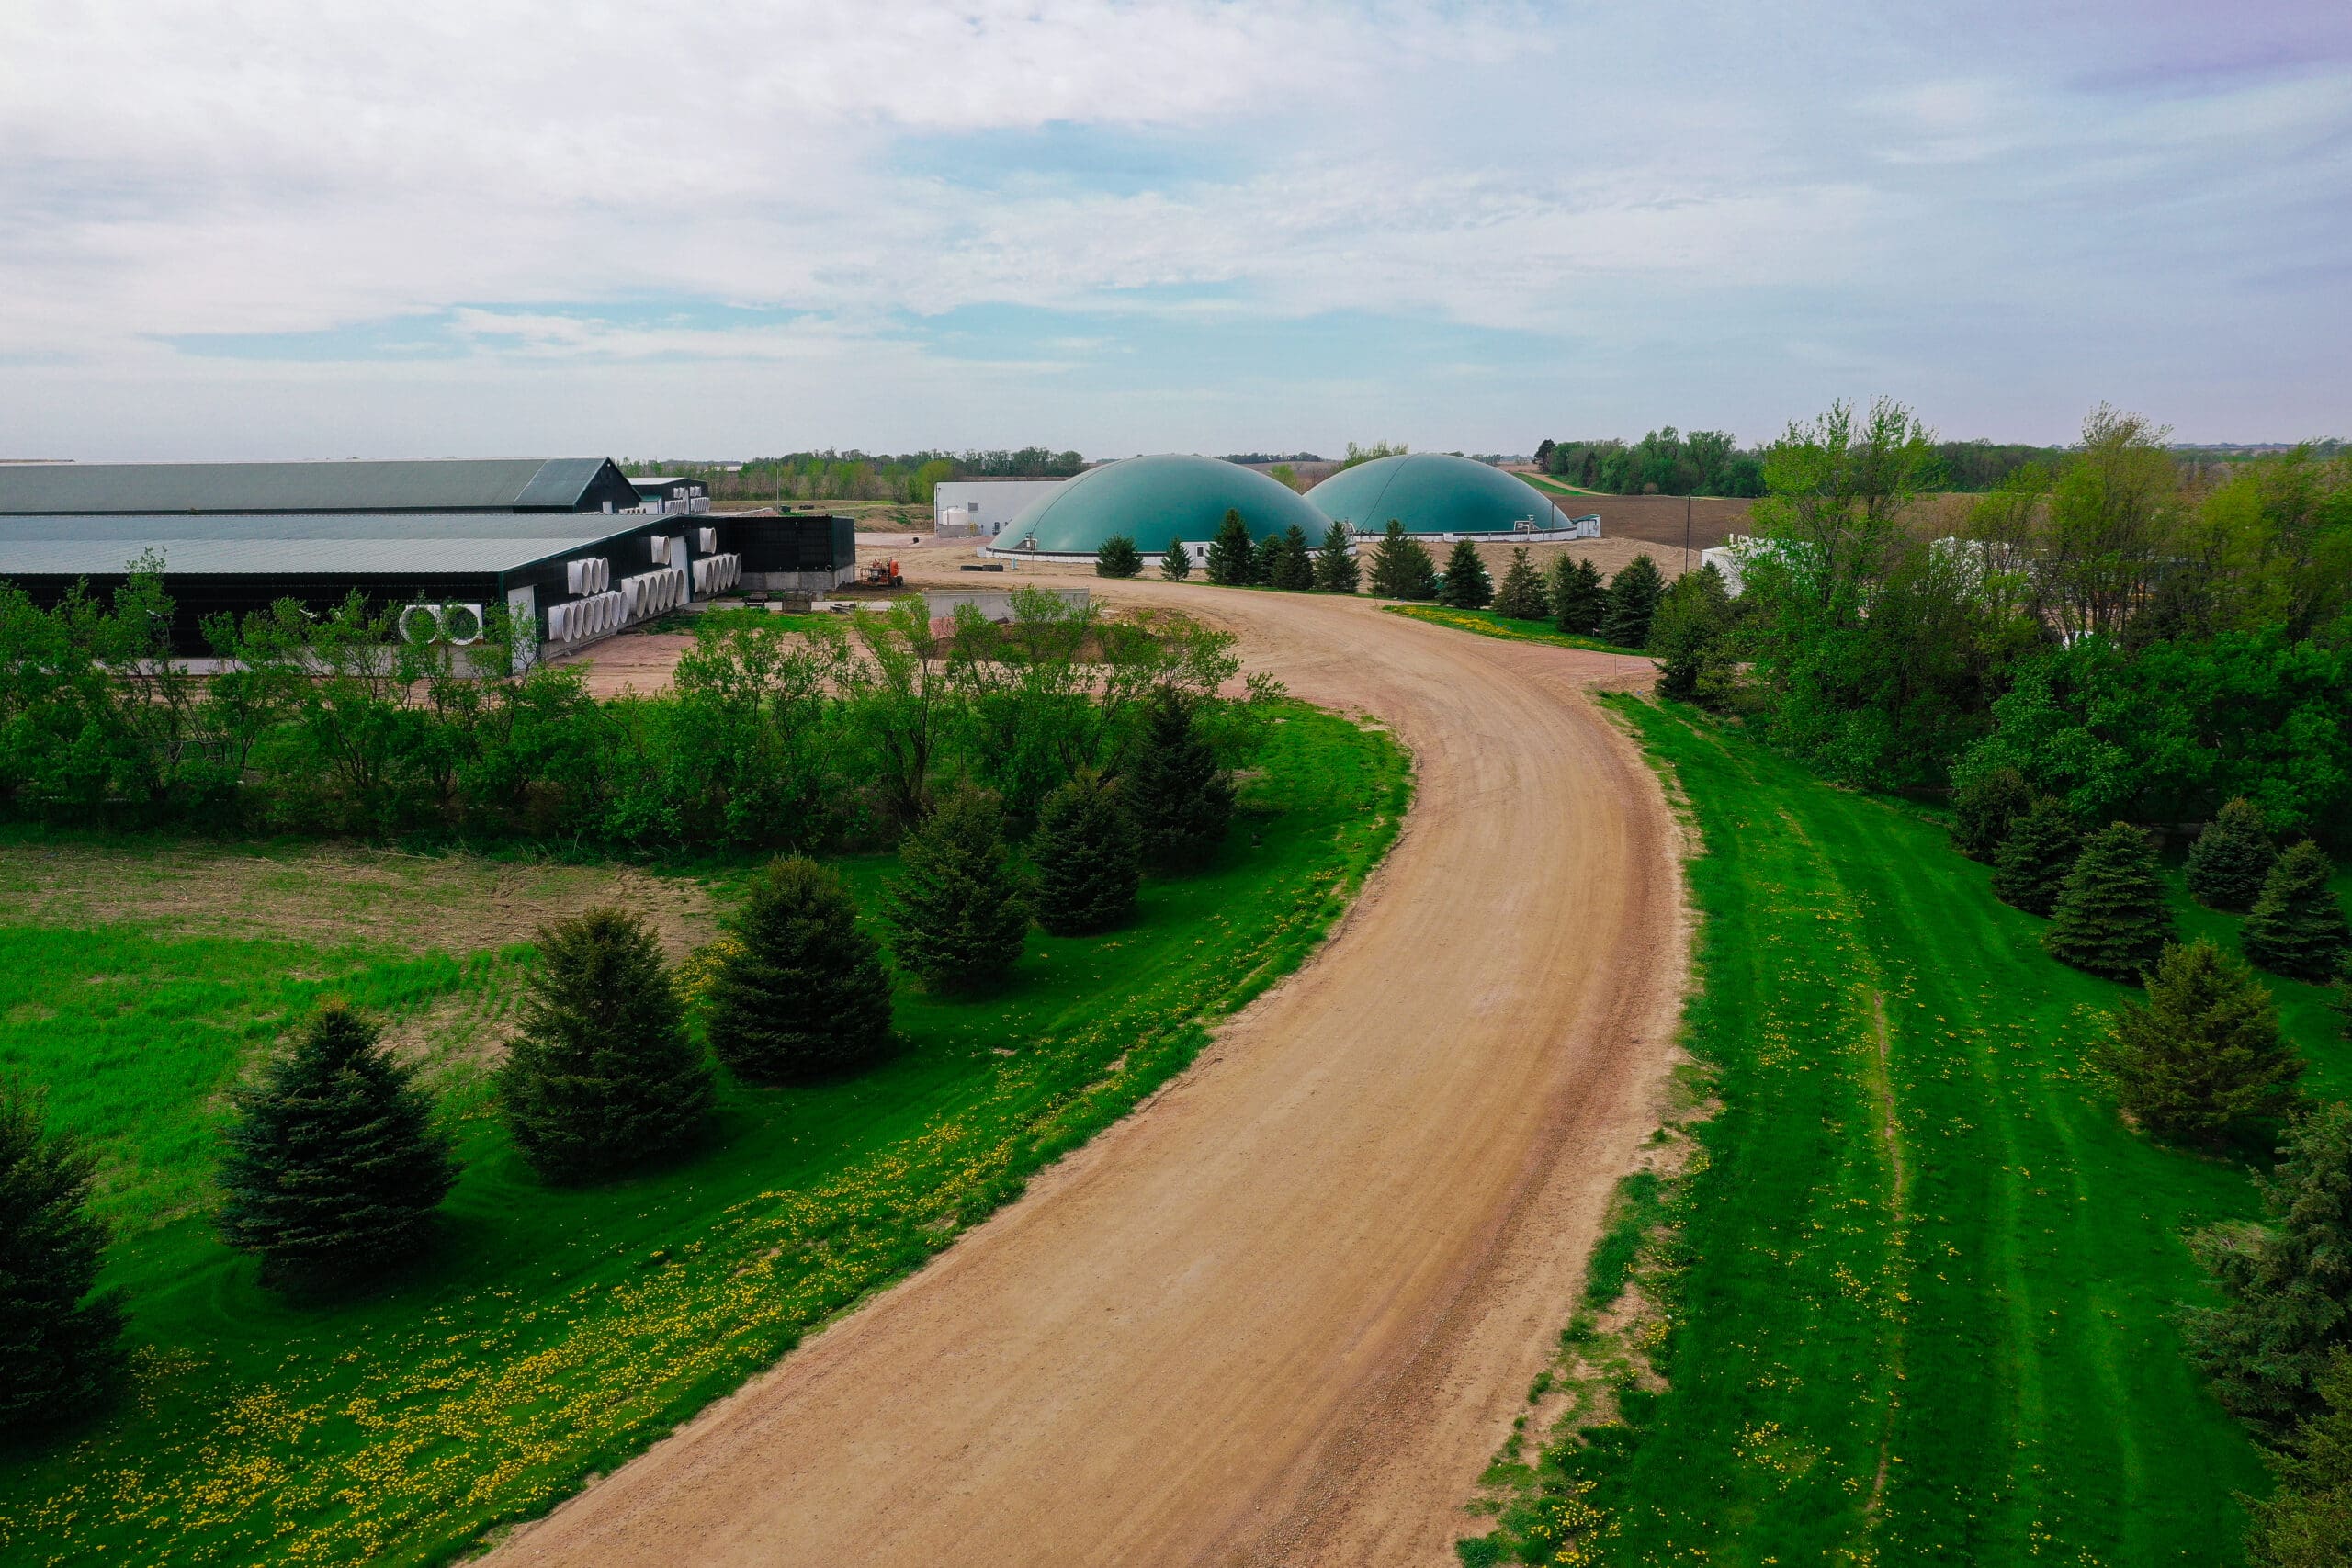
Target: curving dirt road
x: 1286, y: 1311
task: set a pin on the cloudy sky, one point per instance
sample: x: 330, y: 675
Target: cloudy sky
x: 269, y: 229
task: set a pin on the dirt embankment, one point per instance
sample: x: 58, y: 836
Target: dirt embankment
x: 1284, y: 1312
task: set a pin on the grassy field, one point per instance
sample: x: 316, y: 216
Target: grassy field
x: 1918, y: 1304
x: 556, y: 1331
x: 1485, y: 623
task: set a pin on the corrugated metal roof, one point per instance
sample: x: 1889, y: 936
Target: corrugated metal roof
x: 450, y: 485
x: 408, y: 543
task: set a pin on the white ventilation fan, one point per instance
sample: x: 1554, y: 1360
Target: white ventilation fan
x: 708, y: 540
x: 462, y: 625
x: 421, y: 623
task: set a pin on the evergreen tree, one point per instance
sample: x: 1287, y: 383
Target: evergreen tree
x: 332, y: 1167
x: 1690, y: 637
x: 2203, y: 1060
x: 1633, y: 599
x: 2342, y: 999
x: 2230, y: 859
x: 61, y: 1347
x: 602, y: 1074
x: 2111, y: 918
x: 805, y: 991
x: 2296, y: 926
x: 1232, y: 562
x: 1089, y: 858
x: 1295, y: 567
x: 1401, y: 568
x: 1177, y: 564
x: 1985, y: 806
x: 1520, y: 594
x: 958, y: 917
x: 1179, y: 796
x: 1267, y: 559
x: 2306, y: 1522
x: 1580, y: 602
x: 1118, y: 558
x: 1467, y: 585
x: 2030, y: 868
x: 1335, y: 565
x: 2287, y: 1284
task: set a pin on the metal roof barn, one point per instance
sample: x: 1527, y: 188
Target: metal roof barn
x: 492, y: 485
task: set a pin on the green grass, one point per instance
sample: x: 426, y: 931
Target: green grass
x: 1920, y: 1299
x: 1551, y: 486
x: 1485, y: 623
x: 557, y: 1332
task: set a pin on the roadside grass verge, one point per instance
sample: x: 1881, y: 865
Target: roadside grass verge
x: 1485, y: 623
x: 1915, y: 1303
x: 559, y: 1331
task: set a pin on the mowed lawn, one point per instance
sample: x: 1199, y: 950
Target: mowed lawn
x: 556, y: 1331
x: 1927, y: 1277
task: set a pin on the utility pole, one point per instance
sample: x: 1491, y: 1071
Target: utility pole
x: 1686, y: 532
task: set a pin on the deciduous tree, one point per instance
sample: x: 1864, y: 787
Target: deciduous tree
x: 1984, y: 810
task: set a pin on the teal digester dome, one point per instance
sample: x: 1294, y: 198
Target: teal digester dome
x: 1430, y: 492
x: 1156, y: 501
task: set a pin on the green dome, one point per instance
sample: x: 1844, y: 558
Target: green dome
x: 1155, y: 501
x: 1430, y: 492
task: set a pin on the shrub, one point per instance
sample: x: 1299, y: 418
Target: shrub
x: 1177, y: 564
x: 2230, y: 859
x: 1983, y: 810
x: 1118, y: 558
x: 805, y: 993
x: 958, y: 917
x: 2203, y: 1059
x: 1401, y: 568
x: 1087, y: 858
x: 61, y: 1347
x: 1520, y: 593
x: 2030, y: 869
x: 1292, y: 563
x: 1233, y: 561
x: 1335, y: 564
x: 2111, y: 918
x: 1467, y: 585
x: 602, y: 1074
x: 1177, y: 793
x: 1633, y: 599
x: 2296, y: 926
x: 2306, y: 1522
x: 333, y: 1168
x: 2287, y: 1285
x: 1579, y: 602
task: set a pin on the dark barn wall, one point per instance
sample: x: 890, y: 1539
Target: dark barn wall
x: 197, y: 598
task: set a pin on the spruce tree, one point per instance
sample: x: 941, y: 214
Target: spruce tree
x: 2030, y: 868
x: 804, y: 992
x: 1179, y: 796
x: 959, y: 916
x: 1089, y: 858
x: 1520, y: 595
x: 61, y: 1347
x: 2230, y: 859
x: 2111, y: 918
x: 2296, y: 926
x: 1688, y: 637
x: 1467, y: 585
x: 2203, y: 1059
x: 1118, y: 558
x: 1401, y: 568
x: 1633, y: 599
x: 2306, y: 1522
x: 1335, y: 564
x: 1177, y: 564
x: 1233, y: 561
x: 1293, y: 568
x: 2287, y: 1285
x: 2342, y: 998
x: 602, y: 1074
x: 1987, y: 802
x: 333, y: 1168
x: 1267, y: 560
x: 1580, y: 602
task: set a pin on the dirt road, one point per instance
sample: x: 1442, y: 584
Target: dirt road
x: 1286, y: 1311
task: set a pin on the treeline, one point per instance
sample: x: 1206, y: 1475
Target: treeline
x: 1709, y: 462
x: 770, y: 738
x: 907, y: 478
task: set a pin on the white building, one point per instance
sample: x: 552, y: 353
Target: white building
x: 985, y: 505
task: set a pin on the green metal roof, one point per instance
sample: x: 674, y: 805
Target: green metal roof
x: 398, y: 543
x: 455, y: 485
x: 1156, y: 501
x: 1430, y: 492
